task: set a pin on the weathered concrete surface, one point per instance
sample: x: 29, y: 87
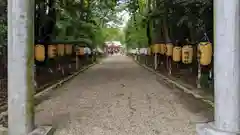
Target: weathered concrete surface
x: 118, y: 97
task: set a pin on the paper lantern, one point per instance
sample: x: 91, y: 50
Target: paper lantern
x: 187, y: 54
x: 52, y: 51
x: 39, y: 52
x: 177, y: 52
x: 169, y: 49
x: 206, y: 52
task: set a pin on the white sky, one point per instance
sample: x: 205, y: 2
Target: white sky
x: 125, y: 16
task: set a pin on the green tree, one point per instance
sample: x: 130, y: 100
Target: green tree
x: 170, y: 20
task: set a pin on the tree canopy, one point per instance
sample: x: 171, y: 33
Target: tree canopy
x: 151, y: 21
x: 168, y: 21
x: 79, y: 19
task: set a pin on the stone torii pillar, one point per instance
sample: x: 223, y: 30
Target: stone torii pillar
x: 20, y: 69
x: 227, y: 70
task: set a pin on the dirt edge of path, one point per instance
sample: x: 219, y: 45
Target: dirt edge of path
x: 178, y: 85
x: 41, y: 96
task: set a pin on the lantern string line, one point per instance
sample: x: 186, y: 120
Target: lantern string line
x: 205, y: 37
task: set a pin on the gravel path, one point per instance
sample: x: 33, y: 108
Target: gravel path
x: 118, y: 97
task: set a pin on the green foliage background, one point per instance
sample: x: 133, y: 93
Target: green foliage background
x: 97, y: 21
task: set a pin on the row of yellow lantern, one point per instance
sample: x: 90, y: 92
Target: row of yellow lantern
x: 80, y: 51
x: 162, y: 49
x: 185, y: 53
x: 52, y: 51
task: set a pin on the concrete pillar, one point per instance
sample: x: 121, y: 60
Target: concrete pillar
x: 226, y: 71
x: 20, y: 67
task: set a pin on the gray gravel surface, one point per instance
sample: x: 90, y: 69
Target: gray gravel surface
x: 118, y: 97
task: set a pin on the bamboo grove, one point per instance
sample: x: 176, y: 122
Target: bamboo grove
x: 175, y: 37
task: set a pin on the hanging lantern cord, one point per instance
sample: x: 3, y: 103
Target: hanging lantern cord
x: 205, y: 37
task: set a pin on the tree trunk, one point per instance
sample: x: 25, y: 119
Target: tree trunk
x: 166, y: 35
x: 148, y: 29
x: 165, y: 26
x: 192, y: 33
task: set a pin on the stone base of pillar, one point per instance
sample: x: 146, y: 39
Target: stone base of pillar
x: 43, y: 130
x: 208, y: 129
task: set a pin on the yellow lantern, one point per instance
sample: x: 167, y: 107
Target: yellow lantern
x: 80, y: 51
x: 68, y: 49
x: 156, y: 48
x: 60, y: 49
x: 177, y: 52
x: 206, y: 52
x: 187, y: 54
x: 169, y: 49
x: 162, y: 49
x: 52, y: 51
x: 39, y: 52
